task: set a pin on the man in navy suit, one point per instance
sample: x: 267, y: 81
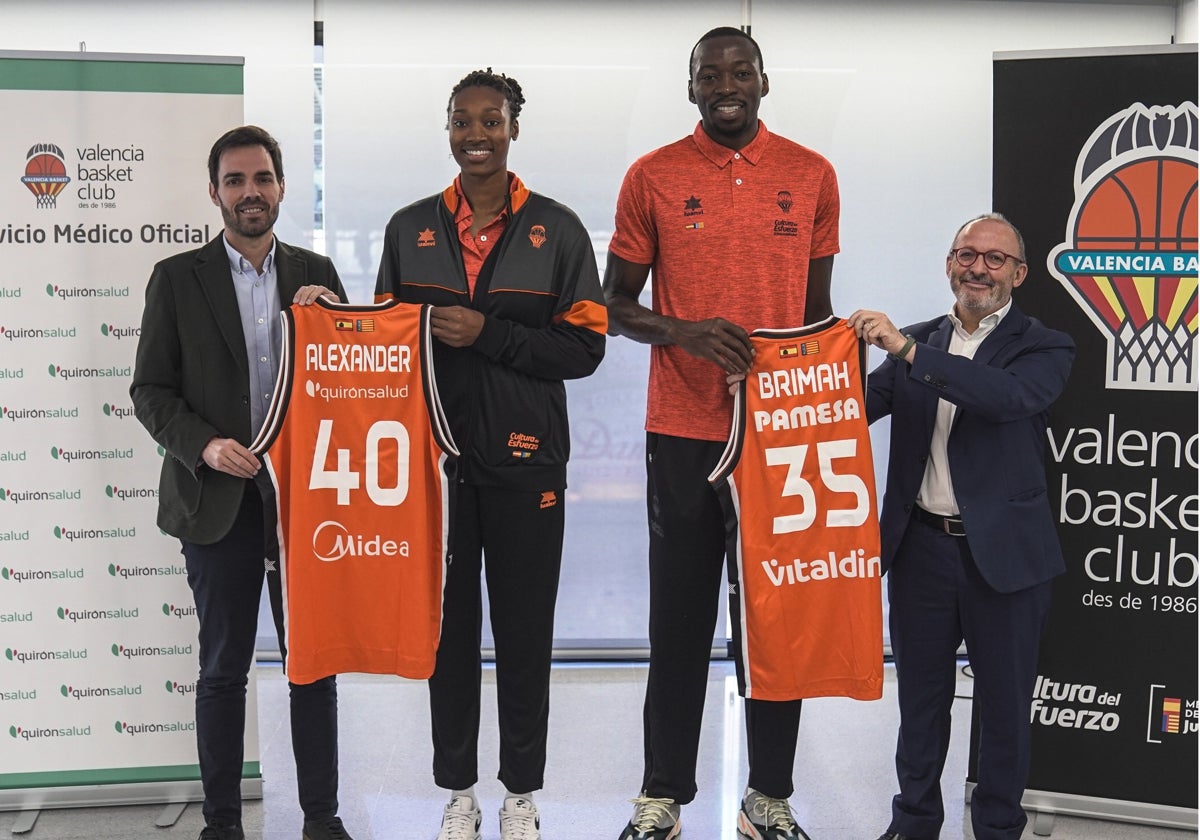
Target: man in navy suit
x: 968, y: 535
x: 202, y: 383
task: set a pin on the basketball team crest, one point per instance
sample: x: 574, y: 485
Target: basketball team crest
x: 45, y: 174
x: 1129, y: 259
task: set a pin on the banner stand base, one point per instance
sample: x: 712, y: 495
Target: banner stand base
x: 173, y: 796
x: 170, y: 814
x: 25, y: 820
x: 1047, y: 804
x: 1043, y: 823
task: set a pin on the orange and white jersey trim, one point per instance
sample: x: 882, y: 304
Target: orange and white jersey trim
x: 361, y: 456
x: 797, y: 485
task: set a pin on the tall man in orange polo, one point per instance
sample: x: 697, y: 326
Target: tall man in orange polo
x: 739, y: 227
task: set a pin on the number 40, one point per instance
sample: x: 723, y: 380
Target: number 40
x: 343, y: 479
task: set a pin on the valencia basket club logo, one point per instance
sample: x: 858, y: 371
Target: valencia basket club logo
x: 1129, y: 259
x: 45, y: 174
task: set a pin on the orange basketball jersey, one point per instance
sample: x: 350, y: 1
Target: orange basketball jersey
x: 797, y: 485
x: 361, y: 456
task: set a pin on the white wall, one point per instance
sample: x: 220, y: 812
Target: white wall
x: 897, y: 95
x: 274, y: 36
x: 869, y: 83
x: 1185, y: 23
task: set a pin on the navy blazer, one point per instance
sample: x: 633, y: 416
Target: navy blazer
x: 191, y: 380
x: 996, y: 446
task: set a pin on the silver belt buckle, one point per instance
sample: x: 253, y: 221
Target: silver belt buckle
x: 953, y: 526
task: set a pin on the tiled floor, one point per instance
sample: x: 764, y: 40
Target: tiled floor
x: 844, y: 773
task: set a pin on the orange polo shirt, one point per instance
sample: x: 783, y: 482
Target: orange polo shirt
x: 726, y: 234
x: 475, y: 248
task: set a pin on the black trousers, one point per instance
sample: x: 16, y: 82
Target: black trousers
x: 515, y: 538
x: 687, y: 560
x: 937, y: 600
x: 226, y: 578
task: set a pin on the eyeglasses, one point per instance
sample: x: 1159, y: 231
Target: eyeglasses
x: 966, y: 257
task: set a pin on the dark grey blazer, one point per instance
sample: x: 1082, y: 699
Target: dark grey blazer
x: 191, y: 382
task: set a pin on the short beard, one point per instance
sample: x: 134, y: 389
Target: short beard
x: 234, y: 223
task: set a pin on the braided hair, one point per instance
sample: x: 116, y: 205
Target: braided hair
x: 506, y: 85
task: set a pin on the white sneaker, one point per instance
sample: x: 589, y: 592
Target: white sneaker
x: 519, y: 819
x: 460, y: 820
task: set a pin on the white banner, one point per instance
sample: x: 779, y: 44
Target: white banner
x: 102, y: 173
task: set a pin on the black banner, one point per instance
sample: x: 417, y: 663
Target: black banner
x: 1095, y: 162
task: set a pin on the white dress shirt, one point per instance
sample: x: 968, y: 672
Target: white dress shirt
x: 937, y: 490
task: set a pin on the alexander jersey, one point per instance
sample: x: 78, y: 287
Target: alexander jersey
x: 360, y: 454
x: 797, y: 485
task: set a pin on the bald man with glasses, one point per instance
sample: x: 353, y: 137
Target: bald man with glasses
x: 968, y: 535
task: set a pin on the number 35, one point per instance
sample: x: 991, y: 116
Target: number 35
x: 795, y: 484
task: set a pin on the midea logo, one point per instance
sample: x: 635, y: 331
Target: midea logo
x: 332, y: 541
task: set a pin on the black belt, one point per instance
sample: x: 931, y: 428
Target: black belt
x: 952, y: 525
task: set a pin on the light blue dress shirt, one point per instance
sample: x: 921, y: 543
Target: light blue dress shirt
x: 258, y: 304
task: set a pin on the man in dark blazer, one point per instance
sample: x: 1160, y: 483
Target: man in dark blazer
x: 968, y: 535
x: 206, y: 365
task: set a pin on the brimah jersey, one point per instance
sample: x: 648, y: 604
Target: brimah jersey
x: 361, y: 456
x: 797, y: 485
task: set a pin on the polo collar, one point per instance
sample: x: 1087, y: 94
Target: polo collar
x: 722, y: 155
x: 518, y: 194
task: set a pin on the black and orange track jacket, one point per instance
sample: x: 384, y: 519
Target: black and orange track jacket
x: 545, y: 321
